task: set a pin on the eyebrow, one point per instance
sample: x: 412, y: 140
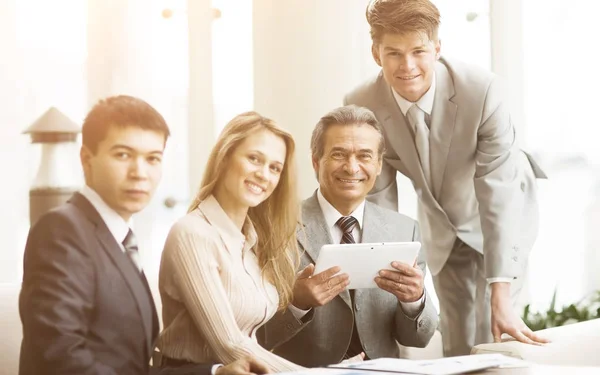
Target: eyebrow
x: 388, y: 48
x: 263, y: 155
x: 118, y: 147
x: 362, y: 150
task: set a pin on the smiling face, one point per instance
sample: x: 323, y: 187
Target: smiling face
x: 126, y: 168
x: 252, y: 172
x: 349, y: 165
x: 408, y: 62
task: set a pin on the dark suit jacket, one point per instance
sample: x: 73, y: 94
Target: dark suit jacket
x: 324, y: 337
x: 84, y: 306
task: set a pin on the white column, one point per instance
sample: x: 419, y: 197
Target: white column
x: 307, y: 55
x: 15, y: 152
x: 201, y: 130
x: 506, y: 24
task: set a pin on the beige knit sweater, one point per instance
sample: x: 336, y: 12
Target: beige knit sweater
x: 213, y: 295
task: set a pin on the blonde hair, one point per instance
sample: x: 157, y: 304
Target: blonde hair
x: 275, y: 219
x: 402, y: 16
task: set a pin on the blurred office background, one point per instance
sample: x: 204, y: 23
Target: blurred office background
x: 200, y: 62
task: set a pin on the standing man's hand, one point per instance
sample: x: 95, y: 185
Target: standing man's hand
x: 405, y: 282
x: 245, y: 366
x: 317, y: 290
x: 505, y: 320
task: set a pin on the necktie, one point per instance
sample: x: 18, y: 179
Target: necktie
x: 131, y: 249
x: 416, y: 118
x: 347, y: 224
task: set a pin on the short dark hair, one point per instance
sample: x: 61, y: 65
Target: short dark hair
x: 120, y: 111
x: 347, y: 115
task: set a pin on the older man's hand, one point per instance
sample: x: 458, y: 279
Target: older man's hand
x: 405, y: 282
x: 317, y: 290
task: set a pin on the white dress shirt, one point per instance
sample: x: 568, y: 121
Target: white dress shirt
x: 117, y: 226
x: 426, y: 105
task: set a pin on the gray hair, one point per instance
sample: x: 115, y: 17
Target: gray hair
x: 347, y: 115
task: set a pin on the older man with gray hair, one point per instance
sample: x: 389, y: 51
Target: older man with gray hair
x: 328, y: 323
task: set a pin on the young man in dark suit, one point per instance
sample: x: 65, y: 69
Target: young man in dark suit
x: 85, y: 303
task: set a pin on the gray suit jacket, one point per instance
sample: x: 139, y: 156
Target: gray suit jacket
x: 483, y: 186
x: 324, y: 338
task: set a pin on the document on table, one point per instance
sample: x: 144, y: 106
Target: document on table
x: 442, y: 366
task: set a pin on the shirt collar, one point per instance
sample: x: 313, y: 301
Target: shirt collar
x: 229, y: 232
x: 116, y: 225
x: 425, y: 103
x: 332, y: 215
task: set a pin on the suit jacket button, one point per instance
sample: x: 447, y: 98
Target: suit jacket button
x: 420, y: 323
x: 516, y: 248
x: 289, y: 326
x: 356, y: 308
x: 515, y: 259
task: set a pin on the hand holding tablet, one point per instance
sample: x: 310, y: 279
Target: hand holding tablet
x: 363, y: 261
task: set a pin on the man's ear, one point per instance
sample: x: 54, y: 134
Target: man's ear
x: 85, y: 155
x: 380, y: 165
x: 315, y: 163
x: 438, y: 48
x: 375, y: 53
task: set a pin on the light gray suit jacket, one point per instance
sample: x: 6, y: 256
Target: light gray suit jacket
x: 324, y: 337
x: 483, y: 186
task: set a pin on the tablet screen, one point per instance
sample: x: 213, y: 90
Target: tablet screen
x: 363, y: 261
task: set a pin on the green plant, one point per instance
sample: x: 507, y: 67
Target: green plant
x: 585, y: 309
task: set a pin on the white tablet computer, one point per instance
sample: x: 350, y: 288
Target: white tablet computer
x: 363, y: 261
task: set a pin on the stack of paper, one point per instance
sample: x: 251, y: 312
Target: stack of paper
x: 442, y: 366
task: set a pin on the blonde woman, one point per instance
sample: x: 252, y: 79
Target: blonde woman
x: 230, y: 263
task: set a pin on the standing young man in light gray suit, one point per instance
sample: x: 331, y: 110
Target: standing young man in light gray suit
x: 448, y: 130
x: 347, y: 149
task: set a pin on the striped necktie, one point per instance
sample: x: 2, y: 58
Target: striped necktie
x: 347, y: 224
x: 131, y: 249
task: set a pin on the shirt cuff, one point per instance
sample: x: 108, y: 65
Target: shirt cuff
x: 412, y: 309
x: 213, y: 369
x: 298, y: 313
x: 491, y: 280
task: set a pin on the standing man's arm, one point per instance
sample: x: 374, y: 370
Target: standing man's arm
x: 498, y: 191
x: 57, y: 300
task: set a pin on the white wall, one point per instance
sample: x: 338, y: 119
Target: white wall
x: 14, y: 159
x: 41, y: 66
x: 307, y: 55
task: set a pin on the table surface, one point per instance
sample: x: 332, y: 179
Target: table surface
x: 542, y: 370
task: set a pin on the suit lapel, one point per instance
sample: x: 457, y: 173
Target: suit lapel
x: 441, y: 129
x: 314, y: 233
x: 132, y: 277
x: 372, y: 231
x: 373, y: 225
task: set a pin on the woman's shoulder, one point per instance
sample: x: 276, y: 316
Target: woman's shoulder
x: 193, y: 225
